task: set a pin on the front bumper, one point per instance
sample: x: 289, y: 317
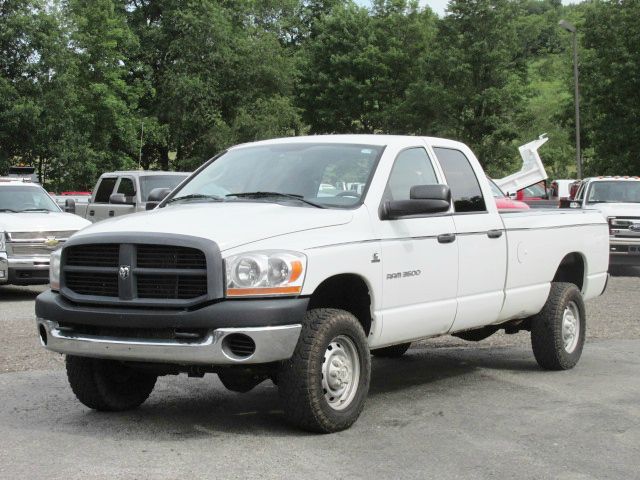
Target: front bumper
x: 624, y: 251
x: 132, y: 334
x: 271, y: 344
x: 24, y: 270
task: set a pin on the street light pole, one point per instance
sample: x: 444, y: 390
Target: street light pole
x: 572, y: 29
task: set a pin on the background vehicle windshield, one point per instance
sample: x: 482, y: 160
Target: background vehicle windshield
x: 612, y: 191
x: 20, y: 199
x: 332, y: 175
x: 159, y: 181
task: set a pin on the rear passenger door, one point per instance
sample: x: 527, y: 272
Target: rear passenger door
x: 99, y: 208
x: 481, y: 240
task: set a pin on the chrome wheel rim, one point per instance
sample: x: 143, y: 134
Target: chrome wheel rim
x: 340, y: 372
x: 570, y: 327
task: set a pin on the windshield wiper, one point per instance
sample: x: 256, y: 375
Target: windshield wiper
x: 8, y: 210
x: 293, y: 196
x: 35, y: 210
x: 196, y: 196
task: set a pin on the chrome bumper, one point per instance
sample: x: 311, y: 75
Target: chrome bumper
x: 11, y: 266
x: 271, y: 344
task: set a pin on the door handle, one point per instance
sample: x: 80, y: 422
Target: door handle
x: 111, y: 213
x: 92, y: 213
x: 494, y: 233
x: 446, y: 238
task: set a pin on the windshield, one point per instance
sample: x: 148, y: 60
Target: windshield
x: 614, y: 192
x: 25, y: 199
x: 320, y: 174
x: 159, y: 181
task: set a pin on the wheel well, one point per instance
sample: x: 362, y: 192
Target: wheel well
x: 571, y: 270
x: 347, y: 292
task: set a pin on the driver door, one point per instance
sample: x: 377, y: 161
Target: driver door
x: 419, y: 256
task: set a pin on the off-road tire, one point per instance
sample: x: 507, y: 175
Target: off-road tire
x: 300, y: 378
x: 394, y: 351
x: 108, y: 385
x: 546, y: 328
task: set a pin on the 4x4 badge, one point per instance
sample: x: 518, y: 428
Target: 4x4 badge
x: 375, y: 259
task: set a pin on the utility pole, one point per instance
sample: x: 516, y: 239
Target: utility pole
x: 141, y: 137
x: 572, y: 29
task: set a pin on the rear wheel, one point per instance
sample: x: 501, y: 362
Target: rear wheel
x: 394, y: 351
x: 108, y: 385
x: 558, y: 331
x: 324, y: 385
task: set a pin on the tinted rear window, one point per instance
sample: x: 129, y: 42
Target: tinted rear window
x: 465, y: 188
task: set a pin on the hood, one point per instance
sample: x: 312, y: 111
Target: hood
x: 41, y: 222
x: 616, y: 209
x: 229, y: 224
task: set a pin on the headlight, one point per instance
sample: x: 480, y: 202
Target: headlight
x: 270, y: 272
x: 54, y: 270
x: 3, y: 242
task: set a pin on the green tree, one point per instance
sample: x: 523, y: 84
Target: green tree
x: 358, y: 65
x: 472, y: 85
x: 610, y: 87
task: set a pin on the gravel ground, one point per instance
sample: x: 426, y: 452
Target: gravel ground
x: 611, y: 316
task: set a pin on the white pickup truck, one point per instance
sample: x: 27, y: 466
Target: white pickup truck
x: 31, y: 227
x: 618, y: 200
x: 247, y: 270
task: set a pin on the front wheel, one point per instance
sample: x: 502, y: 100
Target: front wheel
x: 108, y: 385
x: 558, y: 331
x: 324, y: 385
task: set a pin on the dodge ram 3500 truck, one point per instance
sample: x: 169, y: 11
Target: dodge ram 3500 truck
x: 249, y: 271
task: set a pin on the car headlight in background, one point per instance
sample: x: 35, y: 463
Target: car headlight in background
x: 272, y: 272
x: 54, y: 270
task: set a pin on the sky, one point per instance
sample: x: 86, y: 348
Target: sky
x: 439, y: 6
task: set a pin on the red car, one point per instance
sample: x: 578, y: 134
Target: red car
x: 503, y: 202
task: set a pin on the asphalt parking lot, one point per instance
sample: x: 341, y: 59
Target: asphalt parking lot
x: 447, y: 410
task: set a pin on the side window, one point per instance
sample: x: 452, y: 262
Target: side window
x: 105, y: 189
x: 412, y: 167
x: 465, y: 188
x: 126, y: 186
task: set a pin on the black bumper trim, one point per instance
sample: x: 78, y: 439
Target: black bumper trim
x: 225, y: 314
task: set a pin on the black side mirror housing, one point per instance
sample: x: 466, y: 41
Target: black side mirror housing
x: 423, y: 200
x: 156, y: 196
x: 70, y: 205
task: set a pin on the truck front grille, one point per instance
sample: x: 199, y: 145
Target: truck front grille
x: 92, y: 283
x: 135, y: 271
x: 625, y: 227
x: 100, y: 255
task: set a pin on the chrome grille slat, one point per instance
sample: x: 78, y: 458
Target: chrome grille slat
x: 29, y: 236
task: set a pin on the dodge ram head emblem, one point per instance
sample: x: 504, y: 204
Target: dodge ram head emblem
x: 124, y: 271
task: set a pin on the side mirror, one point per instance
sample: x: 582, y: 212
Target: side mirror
x: 156, y: 196
x: 120, y: 199
x: 70, y: 205
x: 565, y: 203
x: 423, y: 200
x: 574, y: 205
